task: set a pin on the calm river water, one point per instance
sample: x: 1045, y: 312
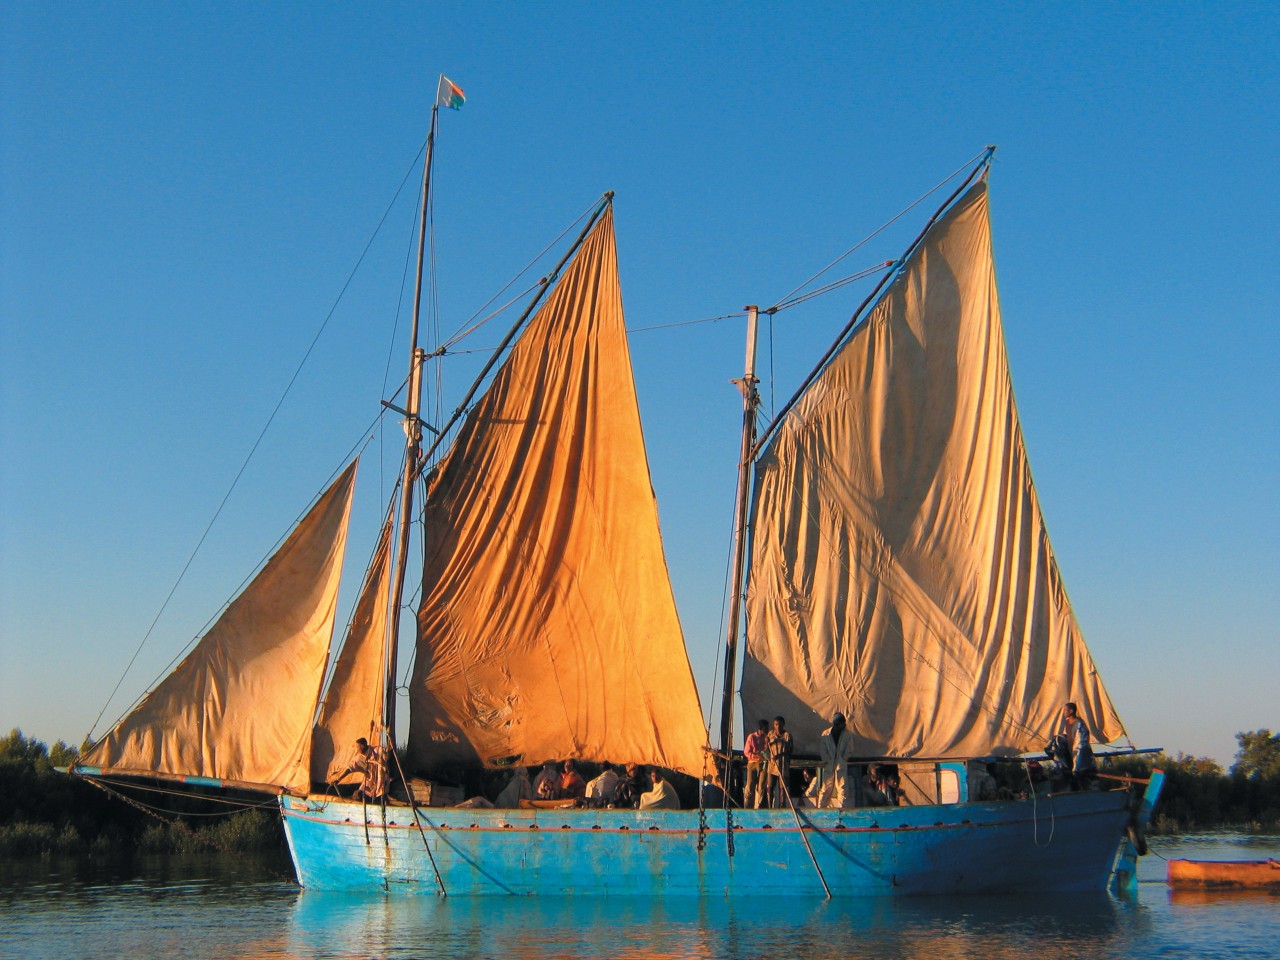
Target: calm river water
x: 193, y: 907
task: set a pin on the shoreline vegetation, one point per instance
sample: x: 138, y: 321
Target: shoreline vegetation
x: 44, y: 812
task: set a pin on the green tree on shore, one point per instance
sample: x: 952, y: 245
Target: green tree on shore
x: 1259, y: 755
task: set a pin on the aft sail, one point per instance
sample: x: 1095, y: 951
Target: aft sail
x: 547, y: 626
x: 239, y: 708
x: 352, y: 705
x: 900, y: 567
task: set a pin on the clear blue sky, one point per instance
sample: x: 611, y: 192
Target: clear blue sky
x: 187, y: 186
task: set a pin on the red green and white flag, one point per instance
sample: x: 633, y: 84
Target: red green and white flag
x: 450, y: 94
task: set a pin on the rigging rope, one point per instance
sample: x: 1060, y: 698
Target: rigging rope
x: 256, y: 443
x: 183, y: 828
x: 888, y: 223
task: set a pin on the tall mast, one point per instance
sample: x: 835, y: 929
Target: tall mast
x: 750, y: 402
x: 413, y: 442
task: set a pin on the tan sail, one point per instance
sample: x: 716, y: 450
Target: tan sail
x: 547, y: 627
x: 900, y: 567
x: 352, y: 705
x: 240, y: 706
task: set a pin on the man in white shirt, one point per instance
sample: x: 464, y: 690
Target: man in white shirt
x: 836, y: 747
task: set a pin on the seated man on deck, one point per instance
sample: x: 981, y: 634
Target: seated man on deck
x: 519, y: 788
x: 982, y: 785
x: 547, y: 786
x: 626, y: 794
x: 600, y: 791
x: 1073, y: 735
x: 662, y: 796
x: 366, y: 760
x: 572, y: 786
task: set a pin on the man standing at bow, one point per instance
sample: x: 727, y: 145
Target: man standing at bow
x: 836, y: 747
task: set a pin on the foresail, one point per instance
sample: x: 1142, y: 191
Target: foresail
x: 352, y: 706
x: 240, y: 706
x: 900, y: 570
x: 547, y: 627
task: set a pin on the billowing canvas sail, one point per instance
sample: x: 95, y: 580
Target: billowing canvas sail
x: 240, y: 706
x: 547, y: 627
x: 900, y: 568
x: 352, y: 705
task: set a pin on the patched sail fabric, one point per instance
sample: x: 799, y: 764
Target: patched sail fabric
x: 900, y: 568
x: 352, y: 705
x: 240, y: 706
x: 547, y: 627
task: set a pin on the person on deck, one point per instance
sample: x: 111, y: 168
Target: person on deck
x: 547, y: 785
x: 873, y: 794
x: 711, y: 792
x: 754, y: 750
x: 518, y: 789
x: 779, y: 747
x: 367, y: 761
x: 982, y: 785
x: 626, y: 794
x: 1076, y: 733
x: 572, y: 786
x: 836, y: 747
x: 662, y: 796
x: 600, y: 790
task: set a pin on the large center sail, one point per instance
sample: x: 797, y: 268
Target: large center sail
x: 547, y: 626
x: 239, y: 708
x: 900, y: 567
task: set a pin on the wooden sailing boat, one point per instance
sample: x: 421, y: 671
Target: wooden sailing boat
x: 899, y: 572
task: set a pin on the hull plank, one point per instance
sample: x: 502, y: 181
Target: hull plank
x: 1062, y: 843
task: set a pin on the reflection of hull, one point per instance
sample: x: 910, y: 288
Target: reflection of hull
x: 1056, y: 843
x: 1224, y: 873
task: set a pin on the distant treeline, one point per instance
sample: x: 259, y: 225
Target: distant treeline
x: 1200, y: 795
x: 43, y: 811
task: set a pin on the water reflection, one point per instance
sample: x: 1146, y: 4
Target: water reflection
x: 196, y: 907
x: 537, y: 928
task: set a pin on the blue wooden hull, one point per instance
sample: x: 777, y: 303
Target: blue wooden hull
x: 1067, y: 842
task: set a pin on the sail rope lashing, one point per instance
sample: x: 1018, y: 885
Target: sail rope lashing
x: 888, y: 223
x: 1035, y: 812
x: 598, y: 209
x: 832, y: 286
x: 240, y: 805
x: 410, y: 248
x: 417, y: 821
x: 367, y: 437
x: 685, y: 323
x: 859, y: 315
x: 445, y: 347
x: 469, y: 325
x: 656, y: 326
x: 178, y: 825
x: 786, y: 792
x: 258, y: 441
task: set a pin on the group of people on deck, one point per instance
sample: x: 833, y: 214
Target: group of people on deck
x: 768, y: 752
x: 618, y: 786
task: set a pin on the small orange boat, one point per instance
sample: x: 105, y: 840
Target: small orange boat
x: 1224, y: 873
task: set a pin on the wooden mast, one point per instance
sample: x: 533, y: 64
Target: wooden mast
x: 750, y: 402
x: 413, y: 443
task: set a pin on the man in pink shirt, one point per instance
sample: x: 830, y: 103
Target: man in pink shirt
x: 754, y: 750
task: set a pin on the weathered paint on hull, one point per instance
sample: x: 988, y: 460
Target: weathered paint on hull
x: 1058, y: 843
